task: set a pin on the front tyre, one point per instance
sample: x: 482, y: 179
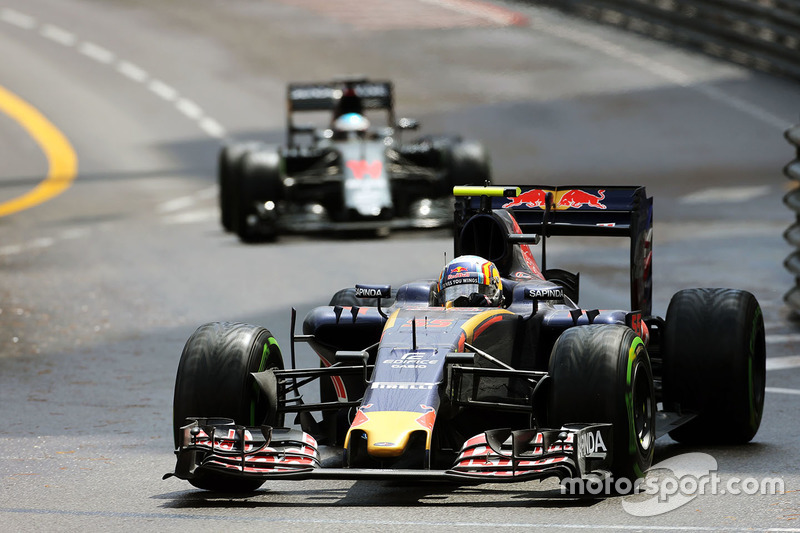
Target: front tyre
x: 260, y: 190
x: 715, y: 364
x: 214, y: 380
x: 601, y: 374
x: 228, y: 170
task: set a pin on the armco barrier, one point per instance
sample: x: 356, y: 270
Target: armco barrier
x: 792, y: 234
x: 760, y: 34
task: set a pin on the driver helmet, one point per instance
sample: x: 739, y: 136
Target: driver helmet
x: 351, y: 123
x: 470, y: 281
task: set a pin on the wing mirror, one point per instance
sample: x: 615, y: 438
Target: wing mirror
x: 375, y: 291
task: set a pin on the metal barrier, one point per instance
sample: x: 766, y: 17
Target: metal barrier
x: 792, y: 234
x: 759, y: 34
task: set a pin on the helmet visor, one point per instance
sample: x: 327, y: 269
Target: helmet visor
x: 451, y: 293
x: 463, y: 289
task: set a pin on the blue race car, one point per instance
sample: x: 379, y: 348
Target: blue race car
x: 489, y: 372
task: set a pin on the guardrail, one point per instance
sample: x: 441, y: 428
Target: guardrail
x: 759, y: 34
x: 792, y: 234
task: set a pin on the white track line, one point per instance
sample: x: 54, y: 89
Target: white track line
x: 192, y: 217
x: 189, y: 108
x: 98, y: 53
x: 42, y: 242
x: 163, y: 90
x: 131, y: 71
x: 745, y: 107
x: 783, y: 339
x: 212, y: 128
x: 726, y: 195
x: 779, y: 390
x: 74, y: 233
x: 104, y: 56
x: 666, y: 72
x: 11, y: 249
x: 177, y: 204
x: 484, y: 10
x: 17, y: 19
x: 782, y: 363
x: 135, y: 73
x: 186, y: 202
x: 310, y: 523
x: 58, y: 35
x: 207, y: 193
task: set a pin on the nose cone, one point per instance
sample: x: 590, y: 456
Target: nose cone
x: 388, y: 432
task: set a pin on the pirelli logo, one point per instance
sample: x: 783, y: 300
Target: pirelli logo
x: 403, y: 385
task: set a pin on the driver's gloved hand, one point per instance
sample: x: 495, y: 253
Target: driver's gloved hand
x: 475, y: 299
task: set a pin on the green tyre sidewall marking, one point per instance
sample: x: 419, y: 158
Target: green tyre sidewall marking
x: 599, y: 373
x: 261, y: 367
x: 633, y: 447
x: 714, y: 364
x: 214, y: 380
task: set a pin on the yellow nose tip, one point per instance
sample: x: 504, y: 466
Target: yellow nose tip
x: 388, y: 432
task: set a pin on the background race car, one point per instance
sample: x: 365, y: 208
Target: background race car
x: 519, y: 383
x: 351, y: 172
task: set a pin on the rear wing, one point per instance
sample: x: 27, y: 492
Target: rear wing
x: 346, y: 95
x: 542, y: 211
x: 326, y: 96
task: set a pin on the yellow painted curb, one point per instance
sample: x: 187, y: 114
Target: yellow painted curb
x: 61, y: 158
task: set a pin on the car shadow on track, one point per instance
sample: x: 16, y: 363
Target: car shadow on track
x: 368, y: 494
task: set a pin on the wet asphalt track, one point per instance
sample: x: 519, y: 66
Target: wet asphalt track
x: 101, y: 286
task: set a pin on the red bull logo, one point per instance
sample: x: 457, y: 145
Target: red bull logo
x: 574, y: 198
x: 578, y: 198
x: 428, y: 418
x: 457, y: 272
x: 532, y: 198
x: 360, y: 417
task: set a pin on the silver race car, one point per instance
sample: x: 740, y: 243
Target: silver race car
x: 354, y: 172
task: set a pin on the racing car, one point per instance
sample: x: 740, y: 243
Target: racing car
x: 491, y: 372
x: 353, y: 172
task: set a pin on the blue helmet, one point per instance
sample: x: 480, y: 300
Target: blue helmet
x: 467, y: 275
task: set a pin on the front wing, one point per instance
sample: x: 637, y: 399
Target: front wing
x: 439, y: 214
x: 221, y: 446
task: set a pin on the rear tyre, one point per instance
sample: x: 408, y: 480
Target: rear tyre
x: 260, y: 190
x: 214, y: 380
x: 715, y: 364
x: 469, y: 165
x: 602, y: 374
x: 345, y: 297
